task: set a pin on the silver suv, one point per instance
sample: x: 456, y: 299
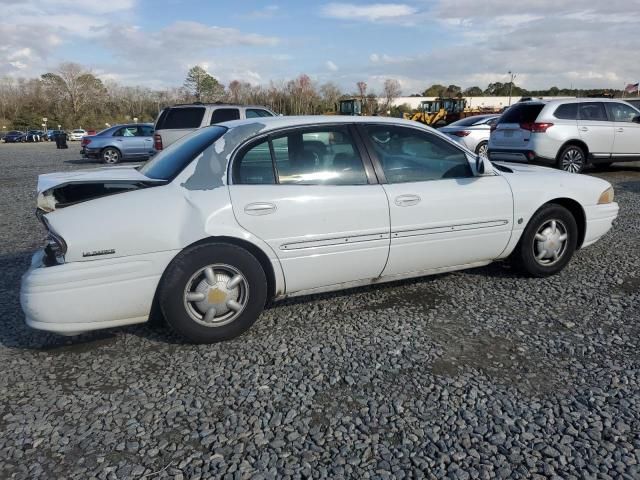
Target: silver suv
x: 176, y: 121
x: 568, y: 133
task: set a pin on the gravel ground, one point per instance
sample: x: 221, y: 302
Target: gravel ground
x: 480, y: 374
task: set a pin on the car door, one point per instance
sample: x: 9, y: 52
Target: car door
x: 595, y: 129
x: 220, y: 115
x: 312, y: 196
x: 626, y: 143
x: 146, y: 134
x: 129, y: 142
x: 441, y: 214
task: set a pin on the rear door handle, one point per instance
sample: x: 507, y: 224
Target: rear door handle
x: 584, y: 129
x: 620, y: 130
x: 259, y: 208
x: 407, y: 200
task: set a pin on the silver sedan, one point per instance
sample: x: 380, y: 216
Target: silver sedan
x: 472, y: 132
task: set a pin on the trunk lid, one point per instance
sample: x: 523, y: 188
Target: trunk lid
x: 62, y: 189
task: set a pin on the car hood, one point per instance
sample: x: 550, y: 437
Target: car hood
x: 57, y: 190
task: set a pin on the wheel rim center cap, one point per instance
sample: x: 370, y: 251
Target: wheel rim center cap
x: 216, y: 295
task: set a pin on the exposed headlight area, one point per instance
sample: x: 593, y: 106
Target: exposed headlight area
x: 606, y: 196
x: 55, y: 247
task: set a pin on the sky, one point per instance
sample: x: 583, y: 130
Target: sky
x: 152, y: 43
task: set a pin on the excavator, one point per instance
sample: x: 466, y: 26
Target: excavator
x: 443, y: 111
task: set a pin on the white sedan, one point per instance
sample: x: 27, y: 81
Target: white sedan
x: 237, y: 214
x: 77, y: 134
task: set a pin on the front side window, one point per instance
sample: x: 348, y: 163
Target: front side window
x: 593, y: 111
x: 409, y: 155
x: 220, y: 115
x: 325, y: 156
x: 619, y: 112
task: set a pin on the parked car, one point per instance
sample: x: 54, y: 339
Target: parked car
x: 34, y: 136
x: 121, y: 142
x: 234, y: 215
x: 14, y: 136
x: 177, y: 121
x: 472, y: 132
x: 77, y: 134
x: 568, y: 133
x: 91, y: 132
x: 50, y: 136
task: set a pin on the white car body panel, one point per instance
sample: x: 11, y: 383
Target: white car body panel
x: 318, y: 238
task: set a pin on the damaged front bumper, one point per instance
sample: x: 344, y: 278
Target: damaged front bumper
x: 77, y: 297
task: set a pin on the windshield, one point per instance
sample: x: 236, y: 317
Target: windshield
x: 167, y: 164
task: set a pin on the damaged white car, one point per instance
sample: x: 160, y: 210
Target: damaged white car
x: 239, y: 214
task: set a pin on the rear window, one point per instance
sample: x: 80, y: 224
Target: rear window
x: 258, y: 112
x: 167, y: 164
x: 183, y: 117
x: 568, y: 111
x: 522, y: 113
x: 220, y: 115
x: 469, y: 121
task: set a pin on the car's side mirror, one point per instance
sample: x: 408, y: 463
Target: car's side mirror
x: 636, y: 119
x: 483, y: 166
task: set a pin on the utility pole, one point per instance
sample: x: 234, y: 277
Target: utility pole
x: 513, y: 76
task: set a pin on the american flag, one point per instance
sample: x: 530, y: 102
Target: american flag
x: 632, y: 87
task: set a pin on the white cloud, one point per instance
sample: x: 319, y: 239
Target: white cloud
x: 331, y: 66
x: 269, y: 11
x: 372, y: 13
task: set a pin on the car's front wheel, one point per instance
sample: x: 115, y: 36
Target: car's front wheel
x: 212, y: 292
x: 572, y: 159
x: 548, y: 242
x: 110, y: 155
x: 482, y: 149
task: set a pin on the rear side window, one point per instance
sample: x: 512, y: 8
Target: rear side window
x: 220, y: 115
x: 255, y: 167
x: 146, y: 131
x: 522, y: 113
x: 592, y: 111
x: 183, y: 117
x: 568, y: 111
x: 258, y: 112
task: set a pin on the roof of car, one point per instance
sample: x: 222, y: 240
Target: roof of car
x: 216, y: 104
x: 272, y: 123
x: 557, y: 101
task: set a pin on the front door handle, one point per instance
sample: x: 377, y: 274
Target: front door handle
x: 620, y: 130
x: 407, y: 200
x: 259, y: 208
x: 584, y: 129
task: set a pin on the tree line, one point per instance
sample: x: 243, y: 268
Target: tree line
x: 499, y: 89
x: 74, y: 97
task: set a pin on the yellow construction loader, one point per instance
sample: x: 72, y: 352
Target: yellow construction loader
x: 439, y: 112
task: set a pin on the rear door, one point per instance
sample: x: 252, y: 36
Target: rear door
x: 508, y: 133
x: 626, y: 143
x: 129, y: 141
x: 311, y: 195
x: 146, y: 133
x: 177, y: 122
x: 595, y: 129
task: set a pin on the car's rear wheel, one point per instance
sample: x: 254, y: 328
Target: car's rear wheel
x: 548, y: 242
x: 482, y: 149
x: 110, y: 155
x: 572, y: 159
x: 212, y: 292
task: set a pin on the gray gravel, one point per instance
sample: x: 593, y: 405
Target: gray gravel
x: 481, y: 374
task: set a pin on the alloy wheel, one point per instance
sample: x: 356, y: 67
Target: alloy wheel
x: 572, y: 160
x: 110, y: 156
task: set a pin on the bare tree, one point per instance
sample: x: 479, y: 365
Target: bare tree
x: 391, y: 91
x: 362, y: 90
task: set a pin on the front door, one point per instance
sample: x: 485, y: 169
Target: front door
x: 595, y: 129
x: 626, y: 143
x: 129, y: 141
x: 311, y: 197
x: 441, y: 214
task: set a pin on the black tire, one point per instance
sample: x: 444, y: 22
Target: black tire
x: 525, y: 253
x: 482, y: 146
x: 572, y: 159
x: 179, y: 276
x: 111, y: 156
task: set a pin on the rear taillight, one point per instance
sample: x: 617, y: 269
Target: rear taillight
x: 536, y: 127
x: 493, y: 127
x: 157, y: 142
x: 461, y: 133
x: 85, y: 142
